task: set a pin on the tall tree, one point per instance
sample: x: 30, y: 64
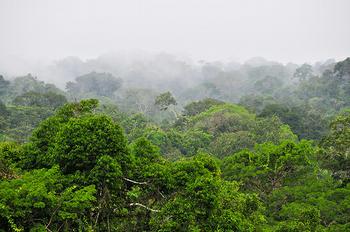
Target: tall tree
x: 3, y: 85
x: 165, y: 101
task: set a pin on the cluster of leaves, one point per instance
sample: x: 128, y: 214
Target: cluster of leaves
x: 49, y: 99
x: 218, y: 128
x: 9, y: 90
x: 93, y: 85
x: 309, y: 105
x: 77, y: 172
x: 26, y: 102
x: 299, y: 195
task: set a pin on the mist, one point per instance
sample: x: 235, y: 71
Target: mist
x: 38, y: 32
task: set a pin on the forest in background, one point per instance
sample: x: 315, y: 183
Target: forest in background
x: 158, y: 143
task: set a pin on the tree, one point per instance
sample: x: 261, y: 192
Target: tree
x: 223, y: 118
x: 271, y: 130
x: 3, y: 110
x: 94, y: 85
x: 28, y: 83
x: 294, y: 117
x: 197, y: 107
x: 89, y: 149
x: 198, y: 200
x: 43, y: 137
x: 268, y: 84
x: 49, y: 99
x: 21, y: 121
x: 342, y: 69
x: 3, y: 85
x: 336, y: 156
x: 229, y: 143
x: 256, y: 104
x: 270, y: 166
x: 164, y: 101
x: 313, y: 203
x: 38, y: 200
x: 93, y: 149
x: 304, y: 72
x: 138, y: 101
x: 11, y: 155
x: 82, y: 141
x: 201, y: 91
x: 299, y: 217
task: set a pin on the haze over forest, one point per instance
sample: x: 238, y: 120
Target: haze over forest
x: 37, y: 39
x: 175, y: 115
x: 285, y: 31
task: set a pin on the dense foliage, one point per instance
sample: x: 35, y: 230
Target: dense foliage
x: 169, y: 164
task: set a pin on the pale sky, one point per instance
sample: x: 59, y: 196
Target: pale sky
x: 281, y: 30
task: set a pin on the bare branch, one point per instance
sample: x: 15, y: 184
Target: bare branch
x: 133, y: 181
x: 161, y: 193
x: 141, y: 205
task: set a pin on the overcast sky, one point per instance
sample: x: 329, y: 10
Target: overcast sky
x: 281, y: 30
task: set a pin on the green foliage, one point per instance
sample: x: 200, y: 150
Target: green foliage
x: 299, y: 217
x: 22, y: 120
x: 136, y: 100
x: 206, y: 90
x: 309, y: 105
x: 198, y: 107
x: 319, y: 195
x: 268, y: 85
x: 3, y: 117
x: 164, y: 100
x: 82, y: 141
x: 39, y: 198
x: 336, y: 156
x: 229, y: 143
x: 203, y: 202
x: 269, y: 166
x: 271, y: 130
x: 3, y: 110
x: 33, y: 102
x: 93, y: 85
x: 44, y: 135
x: 195, y: 140
x: 303, y: 72
x: 28, y: 83
x: 50, y: 99
x: 158, y: 137
x: 145, y: 151
x: 228, y: 128
x: 342, y: 69
x: 134, y: 125
x: 223, y: 118
x: 255, y: 104
x: 10, y: 155
x: 3, y: 85
x: 146, y: 158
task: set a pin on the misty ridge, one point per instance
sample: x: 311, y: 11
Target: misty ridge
x: 158, y: 72
x: 303, y: 96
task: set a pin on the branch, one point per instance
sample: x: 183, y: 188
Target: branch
x: 161, y: 193
x: 54, y: 212
x: 174, y: 112
x: 133, y: 181
x: 141, y: 205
